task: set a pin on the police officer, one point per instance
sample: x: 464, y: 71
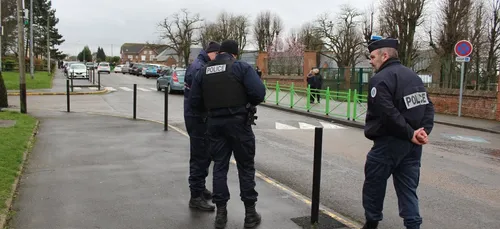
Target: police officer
x: 199, y: 156
x: 400, y: 116
x: 224, y: 87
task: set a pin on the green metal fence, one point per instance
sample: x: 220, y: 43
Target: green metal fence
x: 343, y: 104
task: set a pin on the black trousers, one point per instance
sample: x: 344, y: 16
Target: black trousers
x: 227, y: 135
x: 199, y: 160
x: 401, y: 159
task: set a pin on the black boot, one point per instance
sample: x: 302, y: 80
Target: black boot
x: 207, y: 194
x: 201, y: 204
x: 252, y: 218
x: 370, y: 225
x: 221, y: 217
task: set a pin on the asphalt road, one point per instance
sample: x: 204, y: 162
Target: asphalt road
x: 460, y: 175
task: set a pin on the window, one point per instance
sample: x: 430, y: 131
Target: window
x: 150, y: 52
x: 136, y: 57
x: 143, y: 58
x: 152, y: 57
x: 130, y: 57
x: 145, y: 52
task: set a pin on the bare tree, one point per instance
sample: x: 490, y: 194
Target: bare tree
x: 478, y: 38
x: 310, y: 37
x: 266, y: 28
x: 286, y: 55
x: 493, y: 42
x: 343, y: 36
x: 178, y: 31
x: 210, y: 32
x: 455, y: 16
x: 400, y: 19
x: 367, y: 27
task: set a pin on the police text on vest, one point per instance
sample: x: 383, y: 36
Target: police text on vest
x: 216, y: 69
x: 416, y: 99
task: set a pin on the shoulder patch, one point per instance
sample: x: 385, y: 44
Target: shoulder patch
x: 373, y: 92
x: 216, y: 69
x: 415, y: 99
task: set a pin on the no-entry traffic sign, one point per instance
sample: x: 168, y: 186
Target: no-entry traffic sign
x: 463, y: 48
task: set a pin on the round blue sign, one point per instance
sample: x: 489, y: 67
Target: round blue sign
x: 463, y: 48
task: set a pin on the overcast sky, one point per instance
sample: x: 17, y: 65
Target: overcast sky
x: 110, y: 23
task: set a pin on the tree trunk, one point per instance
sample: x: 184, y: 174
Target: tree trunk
x: 3, y: 93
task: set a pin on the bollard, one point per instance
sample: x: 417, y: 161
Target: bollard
x: 318, y: 142
x: 135, y: 100
x: 165, y: 127
x: 99, y: 80
x: 67, y: 94
x: 72, y: 82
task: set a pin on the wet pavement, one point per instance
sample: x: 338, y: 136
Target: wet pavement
x: 94, y: 171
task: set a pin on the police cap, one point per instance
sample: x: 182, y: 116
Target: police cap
x: 378, y: 43
x: 229, y: 46
x: 212, y: 47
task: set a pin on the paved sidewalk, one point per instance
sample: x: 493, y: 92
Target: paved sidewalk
x: 92, y: 171
x: 59, y: 86
x: 338, y: 113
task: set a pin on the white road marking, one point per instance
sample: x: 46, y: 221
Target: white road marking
x: 93, y: 88
x: 331, y: 126
x: 142, y: 89
x: 152, y: 89
x: 281, y: 126
x: 77, y: 88
x: 126, y: 89
x: 306, y: 126
x: 110, y: 89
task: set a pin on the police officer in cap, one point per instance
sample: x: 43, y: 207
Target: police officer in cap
x: 399, y: 118
x: 224, y: 88
x: 199, y: 156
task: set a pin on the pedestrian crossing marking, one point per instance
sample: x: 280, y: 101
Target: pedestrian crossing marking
x: 331, y: 126
x: 110, y: 89
x: 281, y: 126
x: 152, y: 89
x: 306, y: 126
x: 142, y: 89
x: 126, y: 89
x: 93, y: 88
x: 77, y: 88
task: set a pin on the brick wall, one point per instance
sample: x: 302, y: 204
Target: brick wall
x: 476, y: 104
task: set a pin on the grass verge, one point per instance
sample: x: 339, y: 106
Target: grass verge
x: 42, y: 80
x: 14, y: 142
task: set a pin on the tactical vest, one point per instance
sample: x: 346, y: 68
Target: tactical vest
x: 221, y: 89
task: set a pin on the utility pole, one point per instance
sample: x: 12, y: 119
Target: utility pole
x: 1, y: 35
x: 20, y: 44
x: 32, y: 61
x: 48, y: 40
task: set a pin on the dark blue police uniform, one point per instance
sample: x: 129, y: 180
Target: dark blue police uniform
x: 199, y: 160
x: 224, y: 87
x: 398, y: 105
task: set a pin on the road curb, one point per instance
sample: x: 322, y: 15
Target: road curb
x: 8, y: 203
x: 467, y: 127
x: 105, y: 91
x: 317, y: 116
x: 362, y: 125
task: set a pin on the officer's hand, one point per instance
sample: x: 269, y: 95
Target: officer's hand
x: 419, y: 138
x: 422, y: 137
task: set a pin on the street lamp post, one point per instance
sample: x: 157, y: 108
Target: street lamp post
x: 20, y: 40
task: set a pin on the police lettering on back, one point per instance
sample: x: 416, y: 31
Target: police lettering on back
x: 416, y: 99
x: 215, y: 69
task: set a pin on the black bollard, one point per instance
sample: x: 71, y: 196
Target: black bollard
x: 99, y: 80
x: 318, y: 143
x: 67, y: 94
x: 135, y: 100
x: 165, y: 123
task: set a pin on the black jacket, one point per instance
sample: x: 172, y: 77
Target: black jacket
x: 398, y: 103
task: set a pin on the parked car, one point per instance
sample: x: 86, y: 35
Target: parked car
x: 126, y: 68
x: 89, y: 65
x: 78, y: 70
x: 118, y: 68
x: 104, y: 67
x: 171, y: 80
x: 136, y: 69
x: 153, y: 70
